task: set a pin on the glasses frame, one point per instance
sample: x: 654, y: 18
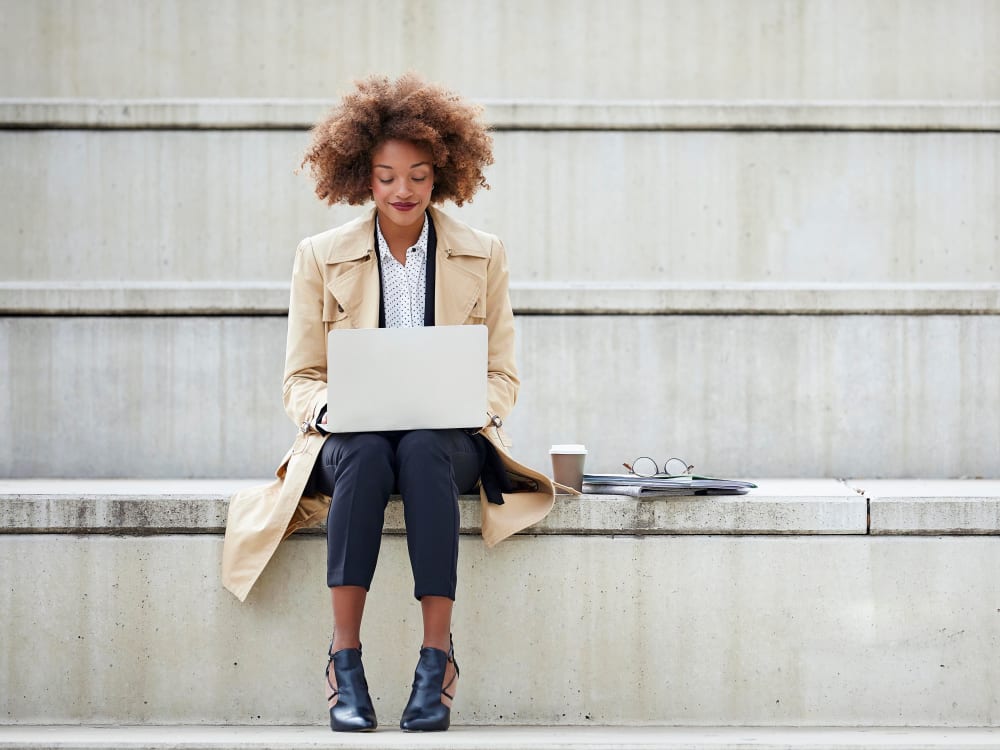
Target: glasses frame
x: 688, y: 468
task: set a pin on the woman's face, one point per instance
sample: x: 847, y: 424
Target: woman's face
x: 402, y: 182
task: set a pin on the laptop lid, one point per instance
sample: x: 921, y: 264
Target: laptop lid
x: 431, y: 377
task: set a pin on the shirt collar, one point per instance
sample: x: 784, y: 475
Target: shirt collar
x: 383, y: 247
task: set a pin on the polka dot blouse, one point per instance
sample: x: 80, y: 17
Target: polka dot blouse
x: 404, y: 286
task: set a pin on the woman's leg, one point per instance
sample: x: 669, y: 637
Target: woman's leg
x: 348, y: 608
x: 357, y: 471
x: 436, y: 611
x: 434, y: 467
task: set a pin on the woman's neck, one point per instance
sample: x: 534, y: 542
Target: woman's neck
x: 400, y: 238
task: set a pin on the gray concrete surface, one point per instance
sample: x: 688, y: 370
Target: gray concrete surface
x: 878, y: 396
x: 778, y: 506
x: 792, y: 395
x: 590, y: 206
x: 688, y: 630
x: 527, y: 298
x: 516, y: 114
x: 643, y: 49
x: 728, y: 626
x: 500, y: 738
x: 932, y: 506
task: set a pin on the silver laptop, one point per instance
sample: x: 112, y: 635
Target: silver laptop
x: 430, y: 377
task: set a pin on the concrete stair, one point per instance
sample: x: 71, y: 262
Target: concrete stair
x: 834, y: 286
x: 719, y: 50
x: 799, y: 393
x: 760, y: 235
x: 744, y: 192
x: 499, y: 738
x: 807, y: 603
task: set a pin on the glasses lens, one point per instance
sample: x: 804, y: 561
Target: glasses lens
x: 675, y: 466
x: 644, y: 466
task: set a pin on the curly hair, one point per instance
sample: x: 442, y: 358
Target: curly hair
x: 408, y: 109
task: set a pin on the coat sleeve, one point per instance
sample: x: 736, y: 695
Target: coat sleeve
x: 304, y: 390
x: 502, y: 380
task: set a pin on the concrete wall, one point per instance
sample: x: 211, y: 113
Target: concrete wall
x: 755, y: 395
x: 662, y: 206
x: 670, y: 630
x: 708, y: 216
x: 636, y: 49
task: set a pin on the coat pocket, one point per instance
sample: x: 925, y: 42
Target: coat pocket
x: 477, y: 313
x: 334, y: 315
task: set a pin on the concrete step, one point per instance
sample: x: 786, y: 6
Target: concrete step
x: 770, y: 49
x: 790, y: 206
x: 779, y: 608
x: 171, y: 113
x: 499, y: 738
x: 778, y: 506
x: 896, y: 507
x: 154, y: 298
x: 758, y: 395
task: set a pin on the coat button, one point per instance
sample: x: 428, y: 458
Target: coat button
x: 340, y: 308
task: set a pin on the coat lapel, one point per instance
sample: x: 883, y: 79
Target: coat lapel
x: 356, y: 290
x: 460, y: 276
x: 351, y: 273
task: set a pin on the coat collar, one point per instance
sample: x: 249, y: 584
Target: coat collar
x: 460, y: 275
x: 354, y: 240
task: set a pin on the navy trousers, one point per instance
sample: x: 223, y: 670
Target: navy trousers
x: 429, y: 468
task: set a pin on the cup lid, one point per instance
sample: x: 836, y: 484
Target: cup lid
x: 568, y: 448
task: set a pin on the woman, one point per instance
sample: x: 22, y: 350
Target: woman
x: 405, y: 145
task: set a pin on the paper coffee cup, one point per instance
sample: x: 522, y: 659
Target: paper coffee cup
x: 567, y: 464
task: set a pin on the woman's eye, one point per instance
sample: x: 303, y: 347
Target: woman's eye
x: 384, y: 182
x: 419, y: 179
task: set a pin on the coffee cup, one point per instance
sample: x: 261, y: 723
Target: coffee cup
x: 567, y: 464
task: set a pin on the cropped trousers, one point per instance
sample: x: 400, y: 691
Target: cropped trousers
x: 429, y: 468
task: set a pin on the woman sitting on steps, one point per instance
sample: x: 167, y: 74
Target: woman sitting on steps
x: 406, y: 146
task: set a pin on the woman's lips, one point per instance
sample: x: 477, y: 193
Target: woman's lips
x: 403, y: 206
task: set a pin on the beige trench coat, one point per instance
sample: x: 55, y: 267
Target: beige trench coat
x: 335, y: 285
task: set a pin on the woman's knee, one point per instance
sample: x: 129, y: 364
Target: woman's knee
x: 424, y: 452
x: 368, y: 448
x: 368, y: 445
x: 362, y: 454
x: 438, y: 457
x: 425, y: 442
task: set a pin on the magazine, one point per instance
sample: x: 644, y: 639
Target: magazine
x: 633, y: 485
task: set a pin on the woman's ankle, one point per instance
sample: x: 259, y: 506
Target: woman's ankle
x: 340, y: 642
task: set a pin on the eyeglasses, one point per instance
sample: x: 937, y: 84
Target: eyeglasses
x: 644, y: 466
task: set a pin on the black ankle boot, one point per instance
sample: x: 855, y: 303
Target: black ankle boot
x: 425, y: 712
x: 354, y: 711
